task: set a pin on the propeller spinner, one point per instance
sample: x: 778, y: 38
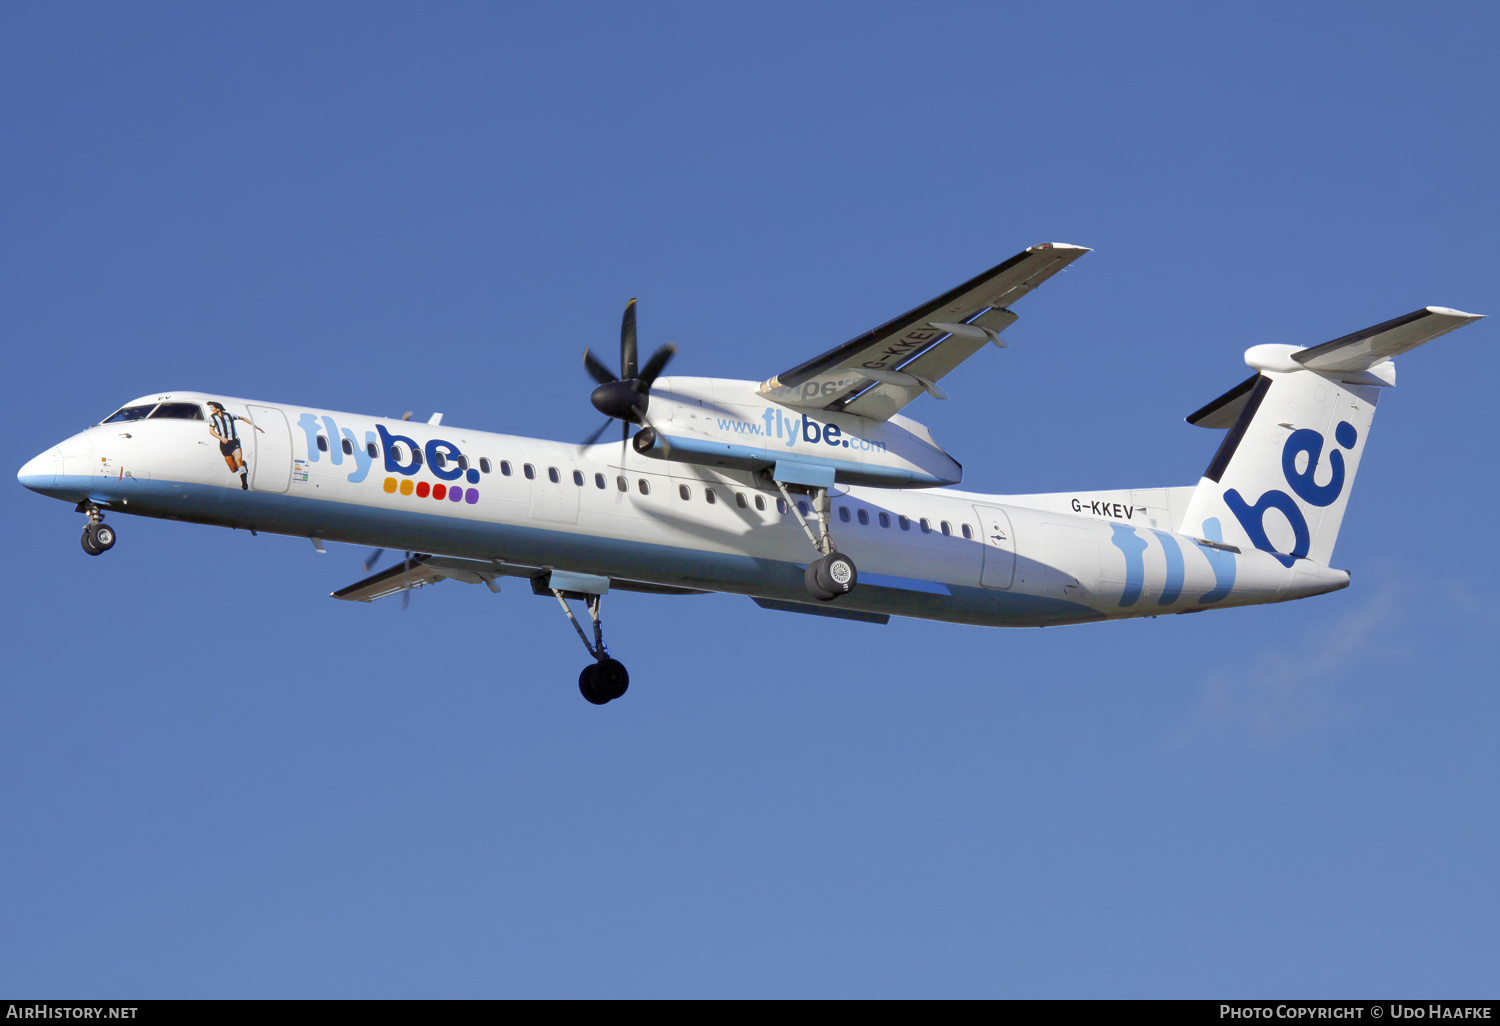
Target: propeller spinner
x: 626, y: 397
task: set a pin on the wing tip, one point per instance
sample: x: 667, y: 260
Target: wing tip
x: 1060, y: 245
x: 1446, y: 311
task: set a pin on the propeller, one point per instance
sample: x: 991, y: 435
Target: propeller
x: 626, y: 397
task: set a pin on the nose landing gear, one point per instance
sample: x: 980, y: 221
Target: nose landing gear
x: 98, y: 537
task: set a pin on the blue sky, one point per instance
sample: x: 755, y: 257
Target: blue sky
x: 216, y: 781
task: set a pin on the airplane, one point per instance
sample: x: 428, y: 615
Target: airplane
x: 810, y: 492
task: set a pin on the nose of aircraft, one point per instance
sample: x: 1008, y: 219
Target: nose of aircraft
x: 40, y: 471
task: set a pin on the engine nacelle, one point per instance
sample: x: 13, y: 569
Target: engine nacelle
x: 726, y: 424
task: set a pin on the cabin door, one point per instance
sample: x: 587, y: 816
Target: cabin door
x: 272, y: 470
x: 999, y: 547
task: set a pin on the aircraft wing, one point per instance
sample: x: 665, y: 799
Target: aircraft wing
x: 876, y: 374
x: 418, y: 572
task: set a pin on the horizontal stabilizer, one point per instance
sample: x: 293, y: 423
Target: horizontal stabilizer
x: 1225, y: 410
x: 1353, y: 355
x: 1364, y: 349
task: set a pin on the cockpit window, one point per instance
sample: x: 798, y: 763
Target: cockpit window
x: 178, y: 411
x: 130, y: 413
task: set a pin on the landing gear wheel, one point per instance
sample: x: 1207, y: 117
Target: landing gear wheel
x: 97, y: 538
x: 836, y: 573
x: 610, y: 679
x: 831, y: 576
x: 603, y: 681
x: 586, y: 687
x: 810, y: 581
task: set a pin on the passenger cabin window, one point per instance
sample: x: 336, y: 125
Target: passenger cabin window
x: 781, y: 506
x: 484, y: 465
x: 599, y: 481
x: 178, y: 411
x: 965, y: 528
x: 760, y: 502
x: 946, y: 529
x: 905, y: 523
x: 130, y: 413
x: 622, y: 484
x: 440, y: 460
x: 504, y: 468
x: 416, y: 457
x: 739, y: 500
x: 885, y: 520
x: 844, y: 514
x: 926, y: 527
x: 348, y: 447
x: 643, y: 486
x: 322, y: 443
x: 708, y: 495
x: 685, y: 492
x: 529, y: 471
x: 463, y: 463
x: 864, y: 517
x: 578, y: 478
x: 553, y: 475
x: 804, y: 507
x: 370, y: 448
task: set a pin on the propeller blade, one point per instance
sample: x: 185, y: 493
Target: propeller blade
x: 657, y: 363
x: 591, y: 439
x: 372, y: 557
x: 597, y: 370
x: 627, y: 343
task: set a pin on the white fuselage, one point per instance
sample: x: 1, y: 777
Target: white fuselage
x: 606, y: 510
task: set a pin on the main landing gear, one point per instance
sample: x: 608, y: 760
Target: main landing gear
x: 605, y: 679
x: 833, y: 573
x: 98, y: 537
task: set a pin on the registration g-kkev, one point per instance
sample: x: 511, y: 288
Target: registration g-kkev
x: 809, y: 492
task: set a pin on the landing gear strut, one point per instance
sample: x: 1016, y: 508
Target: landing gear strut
x: 833, y: 573
x: 98, y: 537
x: 605, y: 679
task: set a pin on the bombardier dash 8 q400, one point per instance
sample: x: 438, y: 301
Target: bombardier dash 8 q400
x: 777, y: 490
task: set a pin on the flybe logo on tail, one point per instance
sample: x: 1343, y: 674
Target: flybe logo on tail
x: 1303, y: 442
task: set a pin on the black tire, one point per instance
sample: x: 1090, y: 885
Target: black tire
x: 810, y: 581
x: 104, y: 537
x: 610, y: 679
x: 836, y: 574
x: 586, y: 681
x: 87, y: 541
